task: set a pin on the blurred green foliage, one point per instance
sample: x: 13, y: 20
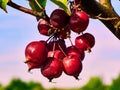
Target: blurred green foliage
x: 95, y: 83
x: 115, y: 84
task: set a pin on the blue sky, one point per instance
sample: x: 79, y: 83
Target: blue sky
x: 18, y: 29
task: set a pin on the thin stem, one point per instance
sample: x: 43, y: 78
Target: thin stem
x: 50, y: 37
x: 71, y: 42
x: 62, y: 50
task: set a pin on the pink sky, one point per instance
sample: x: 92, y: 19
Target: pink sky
x: 18, y: 29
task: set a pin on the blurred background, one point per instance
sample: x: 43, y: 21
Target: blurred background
x: 101, y: 67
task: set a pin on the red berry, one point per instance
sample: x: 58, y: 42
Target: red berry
x: 52, y: 68
x: 90, y: 38
x: 59, y: 18
x: 72, y: 66
x: 79, y: 21
x: 44, y: 28
x: 74, y: 51
x: 35, y: 54
x: 85, y: 41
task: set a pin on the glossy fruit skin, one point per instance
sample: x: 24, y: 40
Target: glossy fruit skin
x: 72, y: 66
x: 59, y: 18
x: 90, y: 39
x: 44, y: 28
x: 35, y: 54
x: 56, y: 54
x: 52, y: 68
x: 79, y: 21
x: 74, y: 51
x: 85, y: 41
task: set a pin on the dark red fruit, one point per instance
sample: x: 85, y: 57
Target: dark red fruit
x: 74, y: 51
x: 59, y: 18
x: 52, y: 68
x: 72, y: 66
x: 56, y: 54
x: 79, y: 21
x: 59, y: 44
x: 44, y: 28
x: 85, y: 41
x: 35, y: 54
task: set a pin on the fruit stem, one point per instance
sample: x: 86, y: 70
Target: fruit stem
x: 62, y: 50
x: 76, y: 77
x: 71, y: 42
x: 50, y: 79
x: 50, y: 37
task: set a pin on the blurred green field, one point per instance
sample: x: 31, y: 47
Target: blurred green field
x: 95, y: 83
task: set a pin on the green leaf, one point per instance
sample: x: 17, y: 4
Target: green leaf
x: 63, y: 4
x: 3, y: 4
x: 37, y: 5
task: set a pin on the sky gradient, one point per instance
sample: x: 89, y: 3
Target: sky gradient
x: 17, y: 29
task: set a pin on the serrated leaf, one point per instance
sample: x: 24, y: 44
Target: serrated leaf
x: 37, y: 5
x: 62, y: 4
x: 3, y: 4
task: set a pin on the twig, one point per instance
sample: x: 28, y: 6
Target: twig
x: 102, y: 18
x: 28, y: 11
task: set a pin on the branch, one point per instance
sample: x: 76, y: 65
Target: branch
x: 28, y: 11
x: 101, y: 18
x: 93, y: 8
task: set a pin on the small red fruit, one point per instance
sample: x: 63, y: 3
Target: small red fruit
x: 59, y: 18
x: 72, y: 66
x: 85, y: 41
x: 52, y: 68
x: 44, y: 28
x: 79, y: 21
x: 35, y: 54
x: 74, y: 51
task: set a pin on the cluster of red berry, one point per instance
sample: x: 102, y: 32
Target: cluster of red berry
x: 52, y: 56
